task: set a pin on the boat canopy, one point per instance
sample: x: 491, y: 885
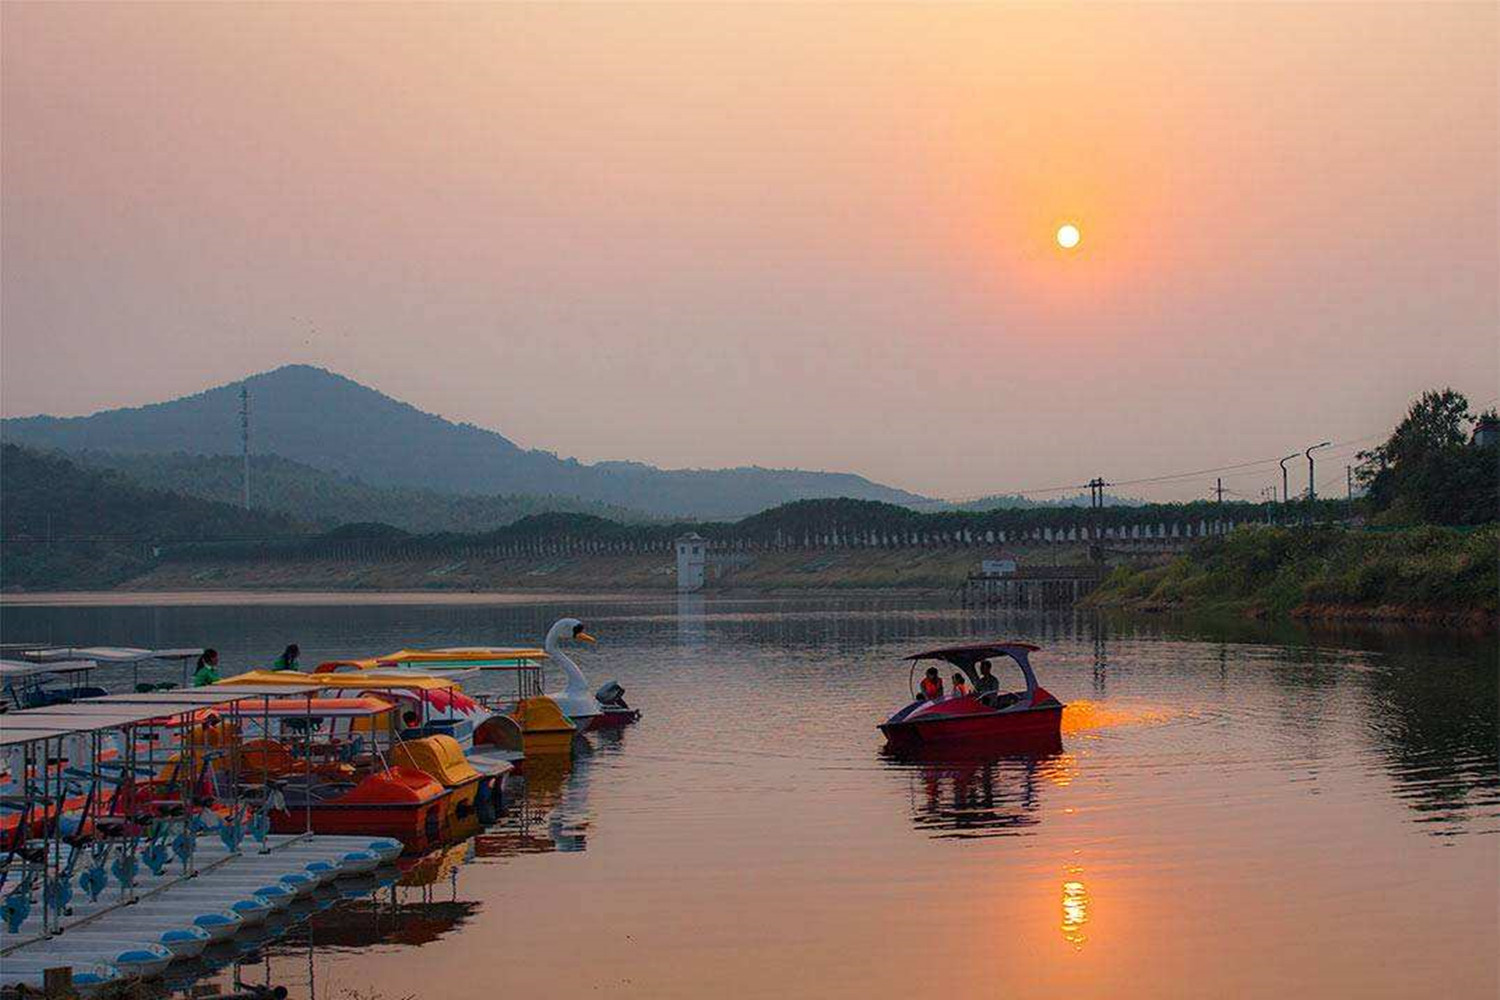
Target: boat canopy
x: 116, y: 711
x: 323, y: 708
x: 475, y: 653
x: 14, y: 670
x: 468, y: 657
x: 201, y: 697
x: 361, y: 682
x: 439, y: 692
x: 966, y: 658
x: 15, y: 737
x: 108, y: 654
x: 962, y: 655
x: 87, y: 718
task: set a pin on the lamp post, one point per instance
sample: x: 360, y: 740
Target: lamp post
x: 1312, y: 493
x: 1285, y: 496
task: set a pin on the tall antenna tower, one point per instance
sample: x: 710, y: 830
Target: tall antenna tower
x: 245, y: 436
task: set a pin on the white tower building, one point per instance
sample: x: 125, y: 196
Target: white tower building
x: 692, y: 559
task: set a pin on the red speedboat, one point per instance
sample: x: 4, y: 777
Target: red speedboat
x: 980, y: 716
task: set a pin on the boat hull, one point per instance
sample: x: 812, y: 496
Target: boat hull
x: 416, y: 826
x: 982, y: 728
x: 610, y: 719
x: 401, y: 803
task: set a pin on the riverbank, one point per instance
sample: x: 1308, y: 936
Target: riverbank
x: 1429, y: 575
x: 906, y: 569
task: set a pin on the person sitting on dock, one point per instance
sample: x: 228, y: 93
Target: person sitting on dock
x: 288, y: 658
x: 960, y: 686
x: 208, y: 668
x: 932, y: 685
x: 988, y: 683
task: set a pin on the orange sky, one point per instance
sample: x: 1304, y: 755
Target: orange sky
x: 792, y: 235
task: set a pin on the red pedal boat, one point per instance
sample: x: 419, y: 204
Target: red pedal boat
x: 984, y: 715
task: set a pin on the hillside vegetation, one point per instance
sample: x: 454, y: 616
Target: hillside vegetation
x: 1428, y: 572
x: 328, y: 499
x: 66, y: 527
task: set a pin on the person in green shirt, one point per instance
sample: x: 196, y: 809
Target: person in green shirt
x: 208, y: 668
x: 288, y: 658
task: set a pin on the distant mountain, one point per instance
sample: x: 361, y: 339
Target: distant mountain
x: 324, y: 420
x: 67, y: 527
x: 327, y: 499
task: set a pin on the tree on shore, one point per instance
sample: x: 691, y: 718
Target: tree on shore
x: 1428, y: 471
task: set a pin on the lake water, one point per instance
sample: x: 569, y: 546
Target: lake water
x: 1236, y: 811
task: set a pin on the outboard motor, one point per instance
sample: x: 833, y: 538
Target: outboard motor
x: 611, y: 695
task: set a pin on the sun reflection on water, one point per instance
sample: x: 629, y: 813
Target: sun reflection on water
x: 1059, y: 770
x: 1075, y: 908
x: 1085, y: 716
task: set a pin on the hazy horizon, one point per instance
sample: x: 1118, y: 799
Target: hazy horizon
x: 790, y: 236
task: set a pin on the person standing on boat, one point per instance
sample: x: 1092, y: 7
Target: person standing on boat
x: 960, y: 686
x: 288, y: 658
x: 932, y: 685
x: 208, y: 668
x: 988, y: 683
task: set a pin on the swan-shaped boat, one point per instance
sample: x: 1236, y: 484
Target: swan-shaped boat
x: 601, y: 709
x: 978, y: 716
x: 585, y: 708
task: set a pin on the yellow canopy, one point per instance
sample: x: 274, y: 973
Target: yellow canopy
x: 464, y: 654
x: 475, y: 656
x: 360, y: 681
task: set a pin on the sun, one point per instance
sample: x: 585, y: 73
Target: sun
x: 1068, y: 236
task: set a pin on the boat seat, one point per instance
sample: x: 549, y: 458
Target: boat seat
x: 299, y: 791
x: 140, y: 770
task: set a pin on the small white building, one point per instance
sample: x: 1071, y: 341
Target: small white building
x: 1487, y: 432
x: 1001, y: 564
x: 692, y: 561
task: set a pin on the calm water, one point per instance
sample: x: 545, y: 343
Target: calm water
x: 1241, y: 812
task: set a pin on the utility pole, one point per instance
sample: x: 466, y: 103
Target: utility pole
x: 1219, y: 489
x: 1312, y: 492
x: 1096, y: 509
x: 1349, y: 483
x: 245, y: 436
x: 1285, y: 496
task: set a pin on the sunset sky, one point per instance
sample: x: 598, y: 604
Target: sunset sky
x: 814, y: 236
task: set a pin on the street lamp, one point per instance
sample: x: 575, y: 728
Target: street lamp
x: 1285, y: 496
x: 1312, y: 493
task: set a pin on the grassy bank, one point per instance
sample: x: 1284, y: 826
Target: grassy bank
x: 937, y: 569
x: 1420, y: 574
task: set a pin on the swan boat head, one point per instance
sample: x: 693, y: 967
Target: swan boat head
x: 582, y: 705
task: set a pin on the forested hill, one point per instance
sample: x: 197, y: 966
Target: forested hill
x: 65, y: 526
x: 328, y: 499
x: 330, y: 422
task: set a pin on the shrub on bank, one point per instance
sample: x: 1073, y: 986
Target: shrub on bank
x: 1279, y: 569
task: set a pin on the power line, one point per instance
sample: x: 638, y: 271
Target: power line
x: 1147, y: 480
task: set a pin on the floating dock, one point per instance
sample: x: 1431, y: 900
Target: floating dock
x: 97, y: 878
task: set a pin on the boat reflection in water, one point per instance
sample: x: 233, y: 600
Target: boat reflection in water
x: 995, y: 789
x: 421, y: 900
x: 547, y: 804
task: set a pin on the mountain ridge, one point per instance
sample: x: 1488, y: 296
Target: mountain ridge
x: 328, y: 421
